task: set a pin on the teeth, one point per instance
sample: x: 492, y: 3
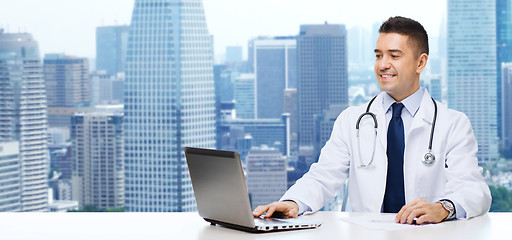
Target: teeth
x: 386, y: 76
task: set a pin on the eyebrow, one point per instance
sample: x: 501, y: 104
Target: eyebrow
x: 390, y: 50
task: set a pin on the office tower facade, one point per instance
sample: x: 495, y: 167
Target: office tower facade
x: 472, y: 69
x: 245, y: 96
x: 269, y: 132
x: 67, y: 87
x: 323, y: 125
x: 503, y: 50
x: 436, y: 88
x: 266, y: 175
x: 23, y: 114
x: 98, y: 155
x: 106, y: 88
x: 169, y: 102
x: 111, y: 46
x: 290, y: 107
x: 10, y: 175
x: 274, y: 63
x: 322, y: 74
x: 506, y: 83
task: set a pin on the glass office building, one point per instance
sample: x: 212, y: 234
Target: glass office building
x: 169, y: 102
x: 23, y: 115
x: 274, y: 62
x: 503, y: 52
x: 322, y: 73
x: 472, y: 69
x: 111, y: 44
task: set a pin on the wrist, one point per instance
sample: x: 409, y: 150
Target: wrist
x: 449, y: 207
x: 293, y: 203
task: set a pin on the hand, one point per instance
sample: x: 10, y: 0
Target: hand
x: 423, y: 211
x: 288, y: 209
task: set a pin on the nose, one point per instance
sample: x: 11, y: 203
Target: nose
x: 383, y: 63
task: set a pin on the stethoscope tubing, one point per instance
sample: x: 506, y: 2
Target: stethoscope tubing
x: 428, y: 159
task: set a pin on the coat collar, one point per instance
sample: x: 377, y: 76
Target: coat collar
x: 423, y: 117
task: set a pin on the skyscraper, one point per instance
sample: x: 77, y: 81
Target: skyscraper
x: 274, y: 63
x: 506, y: 78
x: 98, y: 155
x: 67, y: 87
x: 111, y: 45
x: 266, y: 175
x: 23, y: 114
x: 503, y: 49
x: 472, y: 69
x: 169, y: 102
x: 10, y: 173
x: 322, y: 73
x: 245, y: 99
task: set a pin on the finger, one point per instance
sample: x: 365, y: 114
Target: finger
x: 400, y: 213
x: 423, y: 219
x: 260, y: 210
x: 407, y: 212
x: 270, y: 210
x: 293, y: 213
x: 414, y: 215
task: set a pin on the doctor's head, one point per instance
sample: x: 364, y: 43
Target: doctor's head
x: 401, y: 54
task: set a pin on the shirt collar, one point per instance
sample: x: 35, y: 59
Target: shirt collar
x: 411, y: 103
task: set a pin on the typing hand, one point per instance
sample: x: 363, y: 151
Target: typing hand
x: 286, y: 209
x: 420, y: 211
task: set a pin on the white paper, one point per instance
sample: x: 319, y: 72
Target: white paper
x: 382, y: 222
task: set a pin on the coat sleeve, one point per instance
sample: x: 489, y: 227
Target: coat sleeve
x: 325, y: 178
x: 465, y: 184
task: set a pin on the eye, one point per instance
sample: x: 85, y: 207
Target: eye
x: 378, y: 55
x: 395, y: 56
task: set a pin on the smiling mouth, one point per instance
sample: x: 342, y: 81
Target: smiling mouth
x: 387, y: 75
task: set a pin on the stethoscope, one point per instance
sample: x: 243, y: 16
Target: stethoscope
x: 428, y: 158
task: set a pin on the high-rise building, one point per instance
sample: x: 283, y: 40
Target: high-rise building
x: 67, y: 87
x: 169, y: 102
x: 274, y: 61
x: 111, y: 46
x: 106, y: 88
x: 245, y: 96
x: 506, y: 83
x: 10, y: 175
x: 266, y: 175
x: 269, y: 132
x: 98, y: 155
x: 472, y: 69
x: 503, y: 50
x: 290, y: 107
x: 23, y: 114
x: 322, y: 73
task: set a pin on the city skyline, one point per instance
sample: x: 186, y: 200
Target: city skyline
x: 74, y: 22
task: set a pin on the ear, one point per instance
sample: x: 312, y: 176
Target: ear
x: 422, y: 62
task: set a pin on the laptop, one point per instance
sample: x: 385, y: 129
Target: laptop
x: 221, y: 193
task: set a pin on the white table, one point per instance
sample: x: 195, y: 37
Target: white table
x: 57, y: 226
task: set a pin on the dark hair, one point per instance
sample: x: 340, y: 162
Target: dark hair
x: 408, y: 27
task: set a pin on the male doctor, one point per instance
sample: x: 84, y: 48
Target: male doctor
x: 390, y: 176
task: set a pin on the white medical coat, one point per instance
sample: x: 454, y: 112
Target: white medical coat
x: 454, y: 175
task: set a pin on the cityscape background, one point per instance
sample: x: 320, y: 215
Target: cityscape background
x: 98, y: 98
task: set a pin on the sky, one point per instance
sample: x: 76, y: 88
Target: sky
x: 69, y: 26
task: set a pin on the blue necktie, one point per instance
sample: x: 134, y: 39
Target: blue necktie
x: 394, y: 198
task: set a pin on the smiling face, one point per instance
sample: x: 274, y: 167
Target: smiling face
x: 398, y: 65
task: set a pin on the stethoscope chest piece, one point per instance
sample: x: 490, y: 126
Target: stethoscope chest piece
x: 428, y: 159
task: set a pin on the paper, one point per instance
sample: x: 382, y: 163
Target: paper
x: 382, y: 222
